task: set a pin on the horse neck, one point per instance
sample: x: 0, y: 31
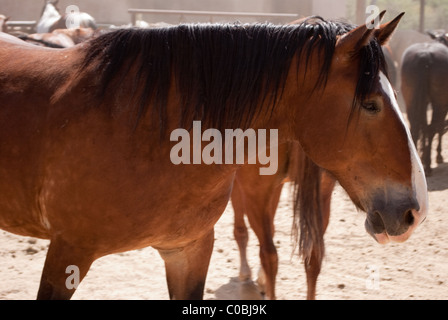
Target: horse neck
x: 299, y: 92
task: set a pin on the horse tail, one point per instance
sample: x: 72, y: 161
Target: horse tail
x: 308, y: 229
x: 415, y: 76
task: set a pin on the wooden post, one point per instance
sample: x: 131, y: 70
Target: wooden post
x: 422, y: 16
x: 361, y: 11
x: 133, y: 19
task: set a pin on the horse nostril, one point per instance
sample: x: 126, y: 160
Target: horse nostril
x: 409, y: 218
x: 377, y: 222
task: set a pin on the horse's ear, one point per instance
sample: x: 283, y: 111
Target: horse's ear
x: 351, y: 42
x: 386, y: 30
x: 431, y: 34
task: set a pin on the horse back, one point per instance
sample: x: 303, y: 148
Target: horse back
x: 73, y: 163
x: 426, y: 60
x: 424, y: 74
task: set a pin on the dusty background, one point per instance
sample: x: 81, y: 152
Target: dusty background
x: 416, y: 269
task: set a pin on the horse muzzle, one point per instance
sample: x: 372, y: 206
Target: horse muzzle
x: 379, y: 232
x: 394, y: 216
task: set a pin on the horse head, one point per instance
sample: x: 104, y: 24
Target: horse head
x: 355, y: 130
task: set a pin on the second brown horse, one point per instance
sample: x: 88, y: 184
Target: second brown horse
x: 257, y: 197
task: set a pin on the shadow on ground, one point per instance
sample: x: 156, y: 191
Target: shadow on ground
x: 238, y: 290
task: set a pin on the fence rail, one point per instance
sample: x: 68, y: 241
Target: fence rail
x: 20, y: 26
x: 211, y: 14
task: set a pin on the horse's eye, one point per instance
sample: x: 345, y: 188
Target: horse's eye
x: 371, y: 106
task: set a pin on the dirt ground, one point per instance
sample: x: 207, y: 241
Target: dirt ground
x: 355, y: 266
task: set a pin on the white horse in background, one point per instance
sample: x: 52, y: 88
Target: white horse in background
x: 51, y: 19
x: 3, y: 20
x: 50, y: 16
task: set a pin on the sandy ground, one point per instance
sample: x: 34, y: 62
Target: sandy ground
x: 355, y: 266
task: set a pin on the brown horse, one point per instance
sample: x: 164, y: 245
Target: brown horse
x: 257, y: 197
x: 85, y: 157
x: 424, y: 77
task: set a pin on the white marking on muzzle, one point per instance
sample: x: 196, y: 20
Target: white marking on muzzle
x: 418, y: 174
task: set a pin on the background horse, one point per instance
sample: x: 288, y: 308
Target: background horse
x: 3, y: 20
x: 59, y: 38
x: 439, y: 35
x: 257, y: 197
x: 85, y: 157
x: 51, y: 18
x: 424, y: 77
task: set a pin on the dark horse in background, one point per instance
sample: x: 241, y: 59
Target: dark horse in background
x: 85, y: 145
x: 424, y: 81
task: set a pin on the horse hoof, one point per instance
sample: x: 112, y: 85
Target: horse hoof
x: 245, y: 273
x: 261, y: 281
x: 245, y: 277
x: 439, y: 159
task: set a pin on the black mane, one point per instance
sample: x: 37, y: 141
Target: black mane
x: 224, y: 73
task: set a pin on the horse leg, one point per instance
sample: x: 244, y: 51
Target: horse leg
x: 439, y: 158
x: 65, y: 267
x: 426, y: 157
x: 240, y: 231
x: 186, y: 268
x: 261, y: 219
x: 440, y: 130
x: 437, y: 126
x: 313, y: 268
